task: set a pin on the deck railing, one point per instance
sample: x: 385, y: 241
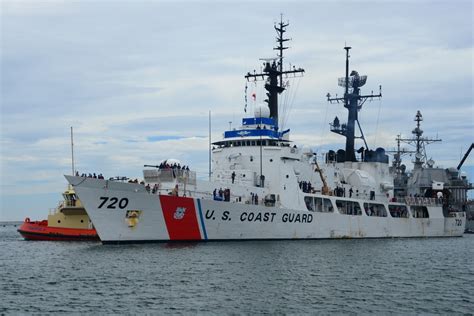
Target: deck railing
x: 169, y: 175
x: 418, y: 201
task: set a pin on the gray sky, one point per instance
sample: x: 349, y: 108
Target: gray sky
x: 136, y: 79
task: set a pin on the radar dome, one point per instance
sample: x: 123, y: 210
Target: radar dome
x: 262, y: 111
x: 170, y: 161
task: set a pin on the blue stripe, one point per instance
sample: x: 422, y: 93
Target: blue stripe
x: 247, y: 133
x: 258, y: 120
x: 251, y: 133
x: 202, y: 219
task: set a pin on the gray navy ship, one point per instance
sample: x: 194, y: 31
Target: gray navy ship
x: 451, y: 185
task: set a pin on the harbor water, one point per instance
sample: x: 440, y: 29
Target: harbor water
x: 400, y: 276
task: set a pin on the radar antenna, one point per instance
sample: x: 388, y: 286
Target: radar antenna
x: 273, y: 72
x: 353, y: 102
x: 397, y: 155
x: 419, y: 142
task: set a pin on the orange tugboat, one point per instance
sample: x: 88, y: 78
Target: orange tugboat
x: 69, y: 221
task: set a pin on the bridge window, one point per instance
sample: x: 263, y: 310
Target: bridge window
x: 373, y: 209
x: 248, y: 143
x: 323, y: 205
x: 348, y: 207
x: 398, y: 211
x: 253, y: 143
x: 308, y: 200
x: 418, y: 211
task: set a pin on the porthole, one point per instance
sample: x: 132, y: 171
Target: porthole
x: 82, y: 221
x: 59, y: 222
x: 271, y: 160
x: 287, y: 176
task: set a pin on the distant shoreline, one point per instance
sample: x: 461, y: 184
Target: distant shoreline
x: 11, y: 223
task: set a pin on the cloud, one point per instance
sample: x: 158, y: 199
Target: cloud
x: 162, y: 138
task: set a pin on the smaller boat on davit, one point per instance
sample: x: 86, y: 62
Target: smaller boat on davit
x: 68, y: 222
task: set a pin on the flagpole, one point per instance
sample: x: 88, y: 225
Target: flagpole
x: 261, y: 158
x: 210, y: 145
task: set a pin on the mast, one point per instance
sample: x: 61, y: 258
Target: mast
x: 72, y: 152
x: 353, y: 102
x: 397, y: 156
x: 280, y: 29
x: 419, y: 142
x: 347, y: 48
x: 418, y: 132
x: 273, y: 72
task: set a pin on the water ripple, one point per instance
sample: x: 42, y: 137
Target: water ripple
x: 396, y: 276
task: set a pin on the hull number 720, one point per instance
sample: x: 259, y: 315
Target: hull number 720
x: 113, y: 202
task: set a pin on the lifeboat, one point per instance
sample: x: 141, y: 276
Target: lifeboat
x: 68, y: 222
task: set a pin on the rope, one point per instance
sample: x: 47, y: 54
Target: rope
x: 284, y: 109
x: 260, y: 94
x: 377, y: 124
x: 245, y: 95
x: 323, y: 126
x: 292, y: 99
x: 78, y: 184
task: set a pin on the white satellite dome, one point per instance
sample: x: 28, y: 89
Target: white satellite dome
x: 170, y: 161
x: 262, y: 111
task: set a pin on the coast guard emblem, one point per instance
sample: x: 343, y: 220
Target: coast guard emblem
x: 179, y: 213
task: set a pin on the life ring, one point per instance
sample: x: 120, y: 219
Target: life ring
x: 27, y: 220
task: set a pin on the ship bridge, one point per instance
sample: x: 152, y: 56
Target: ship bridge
x: 255, y: 129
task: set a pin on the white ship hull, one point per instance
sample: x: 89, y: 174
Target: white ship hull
x: 123, y: 212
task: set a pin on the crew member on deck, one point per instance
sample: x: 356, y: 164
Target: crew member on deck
x: 175, y: 191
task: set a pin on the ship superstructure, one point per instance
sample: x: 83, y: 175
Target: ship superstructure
x: 265, y: 187
x: 425, y: 179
